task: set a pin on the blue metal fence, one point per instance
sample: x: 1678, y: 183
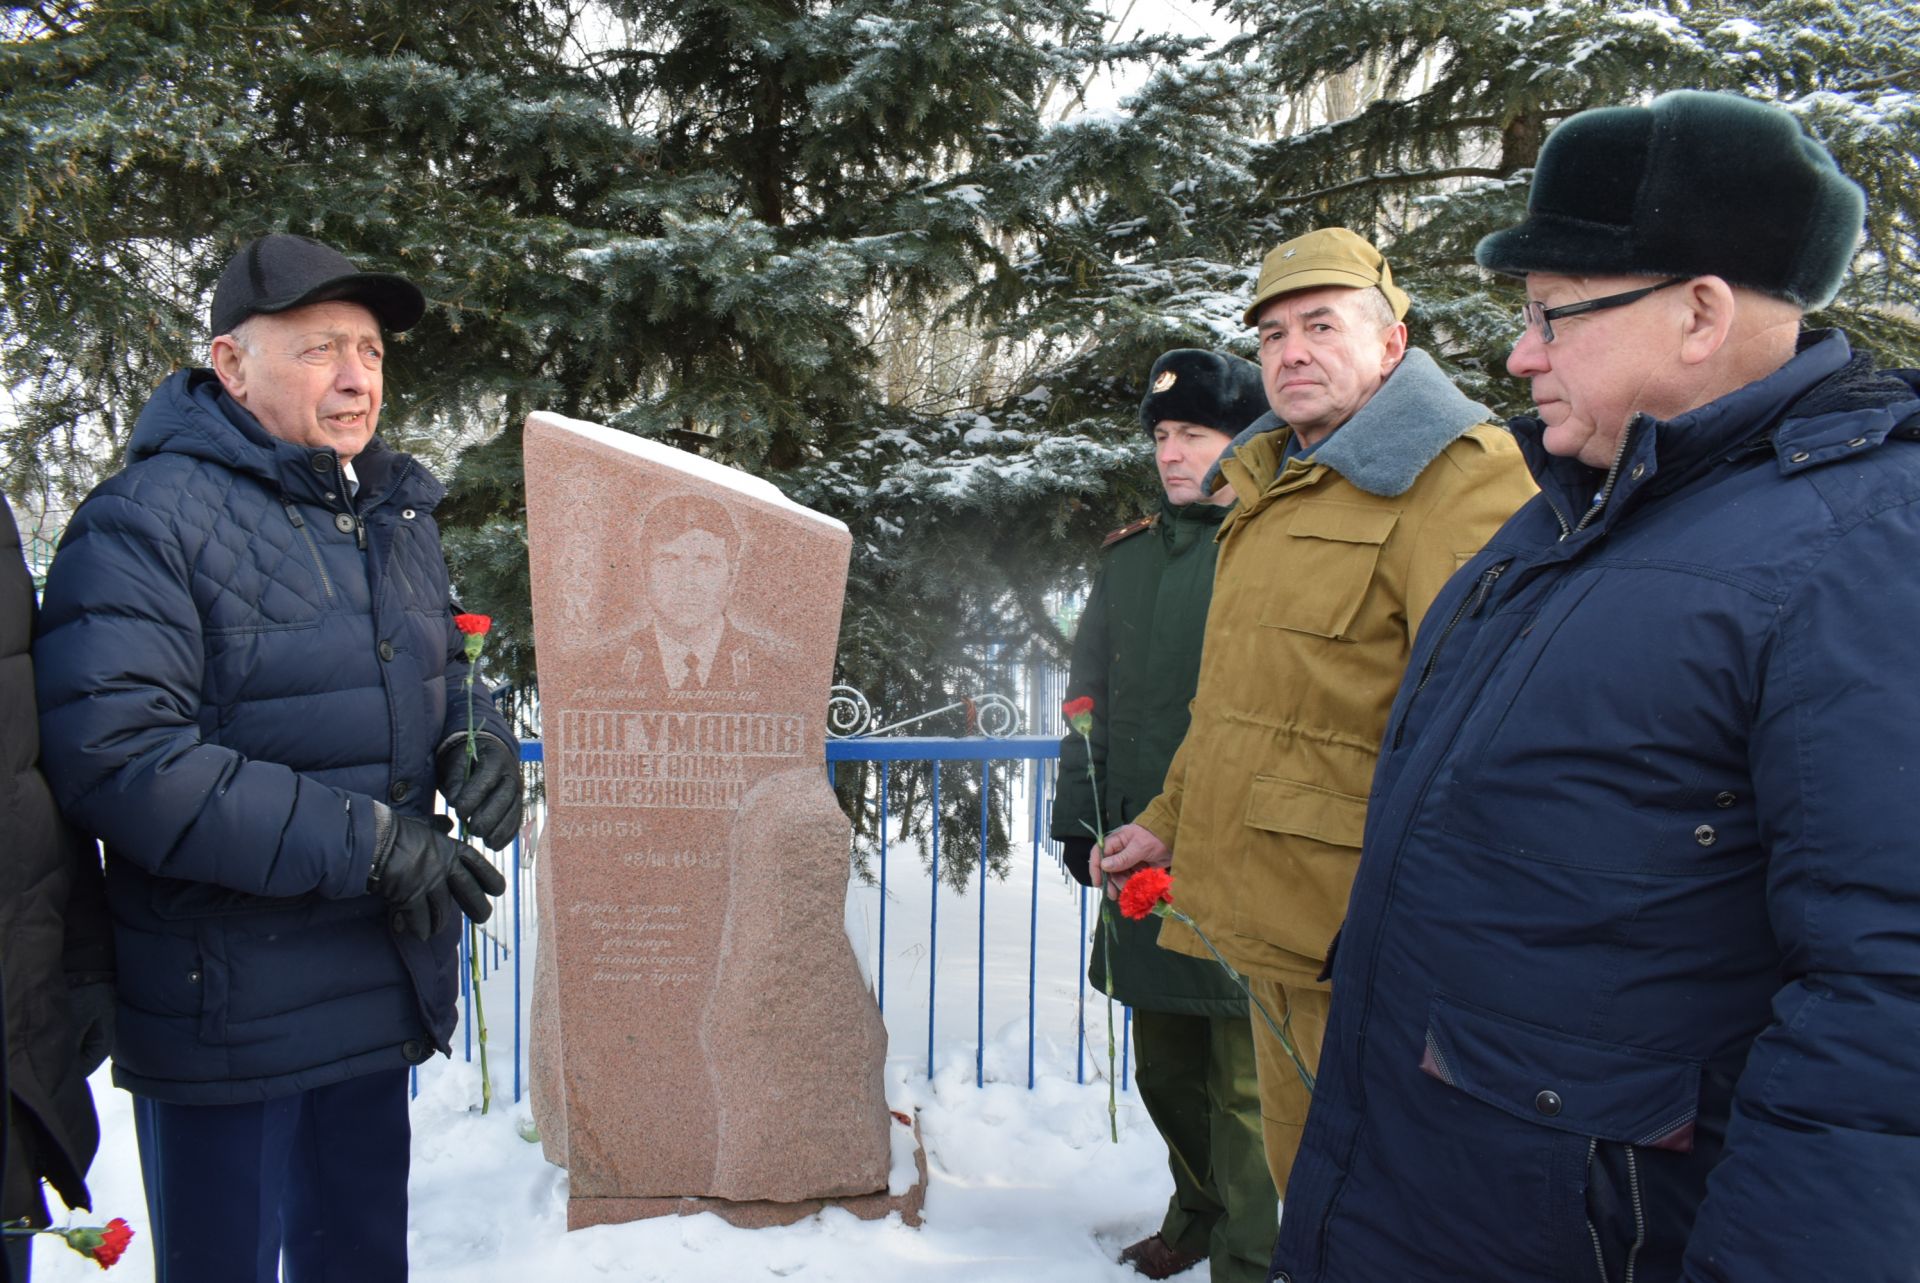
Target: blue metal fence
x: 1035, y: 750
x: 1036, y: 753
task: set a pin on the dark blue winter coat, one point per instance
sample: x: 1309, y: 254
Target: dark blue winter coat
x: 1634, y: 952
x: 235, y: 659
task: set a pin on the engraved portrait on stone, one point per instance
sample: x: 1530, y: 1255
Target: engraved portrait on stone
x: 688, y: 549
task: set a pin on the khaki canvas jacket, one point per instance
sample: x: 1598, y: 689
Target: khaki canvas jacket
x: 1325, y: 571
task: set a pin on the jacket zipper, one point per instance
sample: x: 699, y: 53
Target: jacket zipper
x: 1639, y: 1216
x: 1606, y: 487
x: 1469, y: 606
x: 293, y: 515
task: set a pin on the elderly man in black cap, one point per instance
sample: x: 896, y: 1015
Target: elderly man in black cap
x: 249, y: 679
x: 1627, y: 986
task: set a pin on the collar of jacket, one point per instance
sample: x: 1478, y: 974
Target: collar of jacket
x: 191, y: 414
x: 1388, y: 442
x: 1183, y: 524
x: 1682, y: 446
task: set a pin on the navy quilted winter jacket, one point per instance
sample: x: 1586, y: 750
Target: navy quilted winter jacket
x: 1629, y: 988
x: 234, y: 661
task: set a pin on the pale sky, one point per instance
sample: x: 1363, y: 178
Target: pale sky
x: 1172, y: 17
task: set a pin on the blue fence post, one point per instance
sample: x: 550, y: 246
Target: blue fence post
x: 518, y: 1040
x: 980, y: 992
x: 530, y: 751
x: 933, y: 920
x: 881, y: 996
x: 466, y: 997
x: 1033, y: 921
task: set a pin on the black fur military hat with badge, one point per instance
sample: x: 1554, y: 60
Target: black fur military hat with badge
x: 1212, y: 389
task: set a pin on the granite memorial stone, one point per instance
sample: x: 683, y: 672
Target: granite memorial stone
x: 702, y: 1038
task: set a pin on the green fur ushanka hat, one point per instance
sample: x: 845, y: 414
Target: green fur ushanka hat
x: 1697, y: 184
x: 1212, y: 389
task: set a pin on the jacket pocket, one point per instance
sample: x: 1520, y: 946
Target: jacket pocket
x: 1288, y: 806
x: 1294, y: 871
x: 1620, y: 1211
x: 1608, y: 1091
x: 1340, y: 561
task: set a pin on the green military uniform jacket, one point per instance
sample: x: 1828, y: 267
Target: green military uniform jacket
x: 1137, y: 653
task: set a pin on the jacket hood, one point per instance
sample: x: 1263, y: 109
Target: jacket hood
x: 190, y: 414
x: 1391, y: 439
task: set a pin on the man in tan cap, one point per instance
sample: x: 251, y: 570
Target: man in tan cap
x: 1371, y: 482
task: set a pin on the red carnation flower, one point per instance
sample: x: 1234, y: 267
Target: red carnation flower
x: 473, y: 625
x: 102, y: 1246
x: 1079, y: 713
x: 1144, y: 892
x: 113, y: 1242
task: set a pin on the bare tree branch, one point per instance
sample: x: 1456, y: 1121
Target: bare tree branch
x: 1392, y: 178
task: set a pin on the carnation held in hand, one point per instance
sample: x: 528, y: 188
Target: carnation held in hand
x: 475, y: 627
x: 1144, y: 894
x: 1148, y: 892
x: 1079, y: 713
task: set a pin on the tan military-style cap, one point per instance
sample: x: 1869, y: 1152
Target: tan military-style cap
x: 1329, y: 256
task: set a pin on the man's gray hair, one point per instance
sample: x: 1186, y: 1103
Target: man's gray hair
x: 243, y: 335
x: 1374, y: 302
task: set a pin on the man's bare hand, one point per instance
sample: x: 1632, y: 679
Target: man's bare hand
x: 1127, y: 848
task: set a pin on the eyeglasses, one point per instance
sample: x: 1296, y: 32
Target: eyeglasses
x: 1533, y: 313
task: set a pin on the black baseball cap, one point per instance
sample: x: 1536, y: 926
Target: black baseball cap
x: 282, y: 271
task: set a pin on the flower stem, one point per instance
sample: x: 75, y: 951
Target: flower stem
x: 1113, y: 1100
x: 479, y: 1015
x: 1113, y: 1076
x: 1106, y: 920
x: 473, y: 930
x: 1281, y: 1030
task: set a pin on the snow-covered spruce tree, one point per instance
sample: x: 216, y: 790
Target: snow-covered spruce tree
x: 1428, y: 144
x: 811, y: 159
x: 669, y: 217
x: 1136, y: 240
x: 1414, y: 121
x: 142, y: 141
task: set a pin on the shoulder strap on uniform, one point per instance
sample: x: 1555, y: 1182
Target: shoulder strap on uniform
x: 1129, y: 530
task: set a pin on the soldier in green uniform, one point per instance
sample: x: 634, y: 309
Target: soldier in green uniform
x: 1137, y: 654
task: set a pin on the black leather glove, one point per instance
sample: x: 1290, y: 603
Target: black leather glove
x: 92, y: 1004
x: 483, y: 790
x: 1075, y: 853
x: 418, y: 868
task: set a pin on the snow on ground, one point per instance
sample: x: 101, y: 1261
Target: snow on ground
x: 1022, y: 1185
